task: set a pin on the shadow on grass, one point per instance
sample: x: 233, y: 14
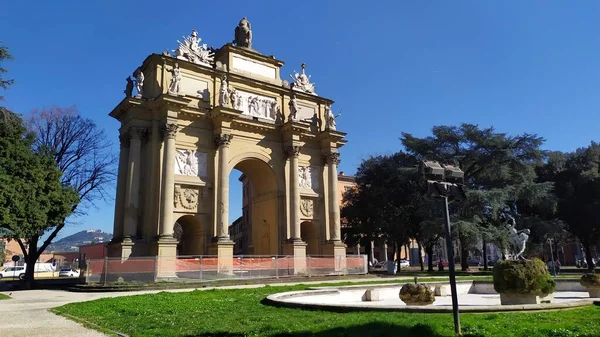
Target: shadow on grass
x: 371, y: 329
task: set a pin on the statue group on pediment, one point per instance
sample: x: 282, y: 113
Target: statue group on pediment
x: 191, y: 50
x: 301, y: 82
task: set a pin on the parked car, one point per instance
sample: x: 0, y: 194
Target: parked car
x: 13, y: 272
x: 404, y: 264
x: 68, y: 272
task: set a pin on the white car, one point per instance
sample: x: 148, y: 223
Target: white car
x: 68, y: 272
x: 404, y: 264
x: 13, y: 272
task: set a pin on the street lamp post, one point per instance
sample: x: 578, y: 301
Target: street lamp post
x: 444, y: 182
x: 552, y: 258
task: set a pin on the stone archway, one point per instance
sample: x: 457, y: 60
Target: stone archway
x: 190, y: 236
x: 191, y: 124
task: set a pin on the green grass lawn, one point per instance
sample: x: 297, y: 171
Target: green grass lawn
x: 4, y: 297
x: 239, y: 312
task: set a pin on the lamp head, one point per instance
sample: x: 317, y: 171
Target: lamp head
x: 454, y: 174
x: 432, y: 170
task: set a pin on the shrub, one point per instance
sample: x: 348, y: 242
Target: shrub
x: 523, y: 277
x: 418, y: 294
x: 590, y: 280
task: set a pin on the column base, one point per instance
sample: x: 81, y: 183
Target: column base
x: 337, y: 249
x: 166, y: 251
x: 297, y: 249
x: 223, y: 249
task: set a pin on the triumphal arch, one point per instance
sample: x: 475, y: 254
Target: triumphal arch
x: 191, y: 116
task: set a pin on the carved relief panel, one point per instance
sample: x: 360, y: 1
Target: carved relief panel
x: 255, y: 105
x: 190, y: 163
x: 308, y: 177
x: 190, y: 198
x: 307, y: 208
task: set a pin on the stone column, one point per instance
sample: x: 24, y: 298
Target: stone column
x: 222, y: 142
x: 293, y: 153
x: 121, y: 188
x: 333, y: 159
x: 133, y: 184
x: 168, y: 182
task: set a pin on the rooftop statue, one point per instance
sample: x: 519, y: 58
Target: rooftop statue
x: 129, y: 87
x: 330, y: 118
x: 138, y: 75
x: 302, y: 82
x: 243, y: 34
x: 191, y: 50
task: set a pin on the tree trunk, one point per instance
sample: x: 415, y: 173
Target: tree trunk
x: 588, y: 255
x: 429, y: 251
x: 464, y: 259
x: 398, y: 258
x: 485, y: 261
x: 420, y: 256
x: 30, y: 260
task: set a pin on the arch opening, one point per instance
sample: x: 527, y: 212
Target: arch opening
x: 190, y: 234
x: 255, y: 208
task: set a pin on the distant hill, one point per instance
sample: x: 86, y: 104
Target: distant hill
x: 72, y: 242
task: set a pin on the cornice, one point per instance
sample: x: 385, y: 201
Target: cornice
x: 124, y: 106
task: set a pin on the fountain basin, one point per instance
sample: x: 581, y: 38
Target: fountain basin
x: 473, y: 296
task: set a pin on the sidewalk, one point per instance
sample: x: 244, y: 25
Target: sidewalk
x: 26, y: 313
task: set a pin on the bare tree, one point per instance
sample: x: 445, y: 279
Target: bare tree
x: 81, y: 151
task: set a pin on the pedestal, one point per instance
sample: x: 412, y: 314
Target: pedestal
x: 223, y: 249
x: 166, y: 260
x: 337, y: 250
x: 297, y: 249
x: 520, y: 299
x: 120, y: 249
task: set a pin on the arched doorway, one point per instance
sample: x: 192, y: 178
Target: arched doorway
x: 310, y: 234
x: 255, y: 221
x: 190, y: 235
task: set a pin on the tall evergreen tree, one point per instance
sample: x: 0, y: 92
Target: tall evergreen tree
x: 4, y: 56
x: 578, y: 190
x: 502, y: 165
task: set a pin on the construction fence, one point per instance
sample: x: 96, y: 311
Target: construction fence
x: 211, y: 268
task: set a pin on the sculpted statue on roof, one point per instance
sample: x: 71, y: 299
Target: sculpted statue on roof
x: 243, y: 34
x: 302, y: 81
x: 191, y: 50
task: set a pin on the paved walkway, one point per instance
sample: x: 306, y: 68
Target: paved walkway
x: 26, y: 313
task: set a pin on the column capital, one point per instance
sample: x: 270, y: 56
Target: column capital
x: 137, y: 132
x: 332, y: 158
x: 293, y: 151
x: 170, y: 130
x: 223, y: 139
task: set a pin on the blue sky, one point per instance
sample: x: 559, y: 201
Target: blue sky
x: 391, y: 66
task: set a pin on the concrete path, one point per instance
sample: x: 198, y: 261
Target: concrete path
x: 26, y: 313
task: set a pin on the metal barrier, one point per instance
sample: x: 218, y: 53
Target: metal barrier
x: 210, y: 268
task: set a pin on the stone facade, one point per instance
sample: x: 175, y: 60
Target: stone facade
x: 178, y: 149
